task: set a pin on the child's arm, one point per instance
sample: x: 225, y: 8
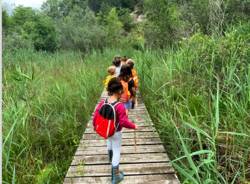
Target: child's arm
x: 123, y: 118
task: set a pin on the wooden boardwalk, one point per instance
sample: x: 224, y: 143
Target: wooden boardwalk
x: 144, y: 162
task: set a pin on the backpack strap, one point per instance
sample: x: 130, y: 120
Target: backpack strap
x: 112, y: 105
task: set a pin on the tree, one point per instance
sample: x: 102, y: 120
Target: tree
x: 51, y: 8
x: 216, y: 16
x: 95, y: 5
x: 163, y: 23
x: 126, y: 19
x: 80, y: 30
x: 16, y: 35
x: 22, y: 15
x: 200, y: 14
x: 44, y: 34
x: 113, y: 28
x: 5, y: 20
x: 237, y: 10
x: 31, y: 29
x: 61, y: 8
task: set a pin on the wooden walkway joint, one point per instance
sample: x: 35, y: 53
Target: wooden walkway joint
x: 146, y: 163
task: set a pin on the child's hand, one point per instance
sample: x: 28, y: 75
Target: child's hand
x: 136, y: 127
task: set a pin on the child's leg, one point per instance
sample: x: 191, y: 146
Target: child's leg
x: 133, y: 102
x: 109, y: 146
x: 136, y: 102
x: 116, y: 147
x: 117, y: 175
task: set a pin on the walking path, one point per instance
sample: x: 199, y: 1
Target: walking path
x: 143, y: 157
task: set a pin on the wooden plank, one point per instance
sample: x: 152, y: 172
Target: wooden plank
x: 138, y: 179
x: 124, y: 149
x: 125, y: 142
x: 125, y: 135
x: 128, y: 169
x: 125, y: 158
x: 141, y: 128
x: 128, y: 135
x: 140, y: 121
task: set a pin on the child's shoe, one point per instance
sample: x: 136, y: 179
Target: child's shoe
x: 117, y: 176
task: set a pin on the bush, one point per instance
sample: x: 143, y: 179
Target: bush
x: 15, y: 41
x: 80, y: 30
x: 162, y: 23
x: 44, y: 34
x: 113, y: 28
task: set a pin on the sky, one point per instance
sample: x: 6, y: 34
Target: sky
x: 30, y: 3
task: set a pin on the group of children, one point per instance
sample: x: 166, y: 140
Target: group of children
x: 123, y: 69
x: 121, y: 85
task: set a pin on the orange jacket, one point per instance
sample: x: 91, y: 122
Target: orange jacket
x: 135, y: 77
x: 126, y: 94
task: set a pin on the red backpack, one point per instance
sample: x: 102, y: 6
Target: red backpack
x: 105, y: 121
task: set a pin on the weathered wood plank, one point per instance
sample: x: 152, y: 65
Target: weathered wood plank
x: 125, y: 142
x: 140, y: 129
x: 138, y: 179
x: 140, y: 121
x: 125, y: 135
x: 128, y: 169
x: 125, y: 149
x: 125, y: 158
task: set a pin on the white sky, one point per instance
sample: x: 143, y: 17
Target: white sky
x: 30, y: 3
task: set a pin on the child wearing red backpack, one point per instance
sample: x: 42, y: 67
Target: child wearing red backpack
x: 120, y: 119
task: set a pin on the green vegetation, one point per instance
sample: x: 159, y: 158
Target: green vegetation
x: 198, y: 97
x: 48, y: 98
x: 193, y: 62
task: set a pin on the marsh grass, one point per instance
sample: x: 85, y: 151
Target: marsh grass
x: 198, y: 96
x: 48, y: 98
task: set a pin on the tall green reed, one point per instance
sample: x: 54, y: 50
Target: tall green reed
x: 48, y: 98
x: 198, y: 97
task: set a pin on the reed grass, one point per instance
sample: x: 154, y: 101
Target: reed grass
x: 198, y: 96
x: 47, y: 100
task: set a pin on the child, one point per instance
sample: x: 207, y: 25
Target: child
x: 133, y: 82
x: 111, y: 72
x: 117, y: 63
x: 124, y: 60
x: 124, y: 76
x: 115, y: 91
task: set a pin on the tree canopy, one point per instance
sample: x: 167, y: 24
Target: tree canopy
x: 95, y: 24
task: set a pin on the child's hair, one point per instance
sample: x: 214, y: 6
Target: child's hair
x: 125, y: 71
x: 117, y: 61
x: 114, y: 86
x: 124, y: 58
x: 111, y: 70
x: 130, y: 63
